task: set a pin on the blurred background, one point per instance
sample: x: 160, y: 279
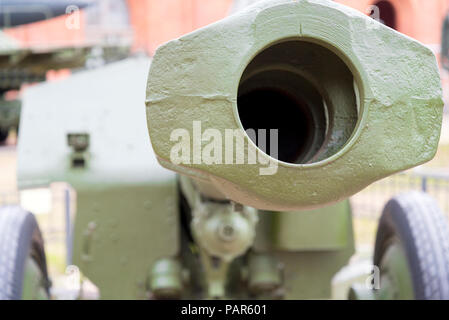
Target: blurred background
x: 92, y: 34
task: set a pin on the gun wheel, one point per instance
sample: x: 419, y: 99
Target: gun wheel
x: 412, y: 249
x: 23, y: 268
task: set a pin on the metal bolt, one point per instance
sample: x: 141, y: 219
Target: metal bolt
x: 226, y: 232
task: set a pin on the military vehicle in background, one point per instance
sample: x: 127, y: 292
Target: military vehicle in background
x: 346, y: 111
x: 21, y: 64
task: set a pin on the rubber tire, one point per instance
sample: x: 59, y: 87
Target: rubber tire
x: 20, y: 238
x: 423, y: 230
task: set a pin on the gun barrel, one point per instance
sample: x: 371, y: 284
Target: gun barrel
x: 311, y: 88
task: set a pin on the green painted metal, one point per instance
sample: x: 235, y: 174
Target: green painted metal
x: 328, y: 228
x: 321, y: 246
x: 264, y: 273
x: 121, y: 232
x: 398, y: 97
x: 166, y: 279
x: 127, y: 213
x: 215, y: 277
x: 128, y: 237
x: 222, y: 229
x: 396, y: 279
x: 108, y: 106
x: 308, y: 274
x: 33, y: 282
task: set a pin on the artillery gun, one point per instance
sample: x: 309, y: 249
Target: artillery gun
x: 271, y: 118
